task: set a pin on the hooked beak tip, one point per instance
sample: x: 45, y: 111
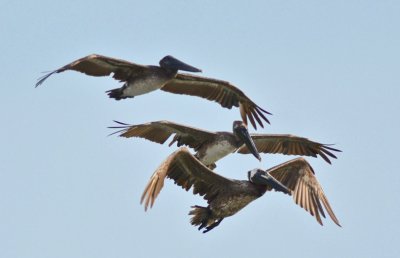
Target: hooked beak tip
x: 196, y: 70
x: 192, y: 68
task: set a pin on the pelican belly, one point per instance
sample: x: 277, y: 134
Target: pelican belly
x: 229, y: 206
x: 143, y: 85
x: 215, y: 152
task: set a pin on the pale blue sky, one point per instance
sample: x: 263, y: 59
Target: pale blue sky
x: 327, y: 70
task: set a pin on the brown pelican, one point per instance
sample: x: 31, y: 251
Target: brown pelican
x: 141, y: 79
x: 210, y: 147
x: 225, y: 197
x: 213, y: 146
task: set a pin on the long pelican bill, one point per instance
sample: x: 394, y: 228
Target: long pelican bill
x: 242, y: 132
x: 261, y: 177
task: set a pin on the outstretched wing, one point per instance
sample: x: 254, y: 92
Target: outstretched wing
x: 160, y: 131
x: 298, y: 176
x: 187, y: 172
x: 290, y: 145
x: 222, y: 92
x: 98, y: 65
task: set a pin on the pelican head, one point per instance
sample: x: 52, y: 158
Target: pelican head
x: 252, y: 174
x: 260, y: 177
x: 241, y: 132
x: 171, y: 63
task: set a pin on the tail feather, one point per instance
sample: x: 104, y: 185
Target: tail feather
x: 202, y: 217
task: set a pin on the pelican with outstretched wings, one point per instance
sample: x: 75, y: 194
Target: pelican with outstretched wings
x: 141, y: 79
x: 213, y: 146
x: 225, y: 197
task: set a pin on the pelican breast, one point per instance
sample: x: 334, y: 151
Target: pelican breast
x: 215, y: 151
x: 153, y: 80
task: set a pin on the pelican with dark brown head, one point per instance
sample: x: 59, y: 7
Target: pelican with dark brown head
x: 141, y: 79
x: 213, y: 146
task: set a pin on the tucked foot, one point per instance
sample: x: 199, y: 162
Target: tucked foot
x: 215, y: 224
x: 117, y: 94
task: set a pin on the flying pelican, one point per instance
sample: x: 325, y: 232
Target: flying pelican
x: 141, y: 79
x: 213, y: 146
x: 225, y: 197
x: 210, y: 147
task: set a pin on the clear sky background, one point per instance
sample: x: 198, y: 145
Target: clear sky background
x: 327, y: 70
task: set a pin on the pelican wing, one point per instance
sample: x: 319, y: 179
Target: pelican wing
x: 290, y: 145
x: 160, y: 131
x: 298, y: 176
x: 187, y: 172
x: 222, y: 92
x: 97, y: 65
